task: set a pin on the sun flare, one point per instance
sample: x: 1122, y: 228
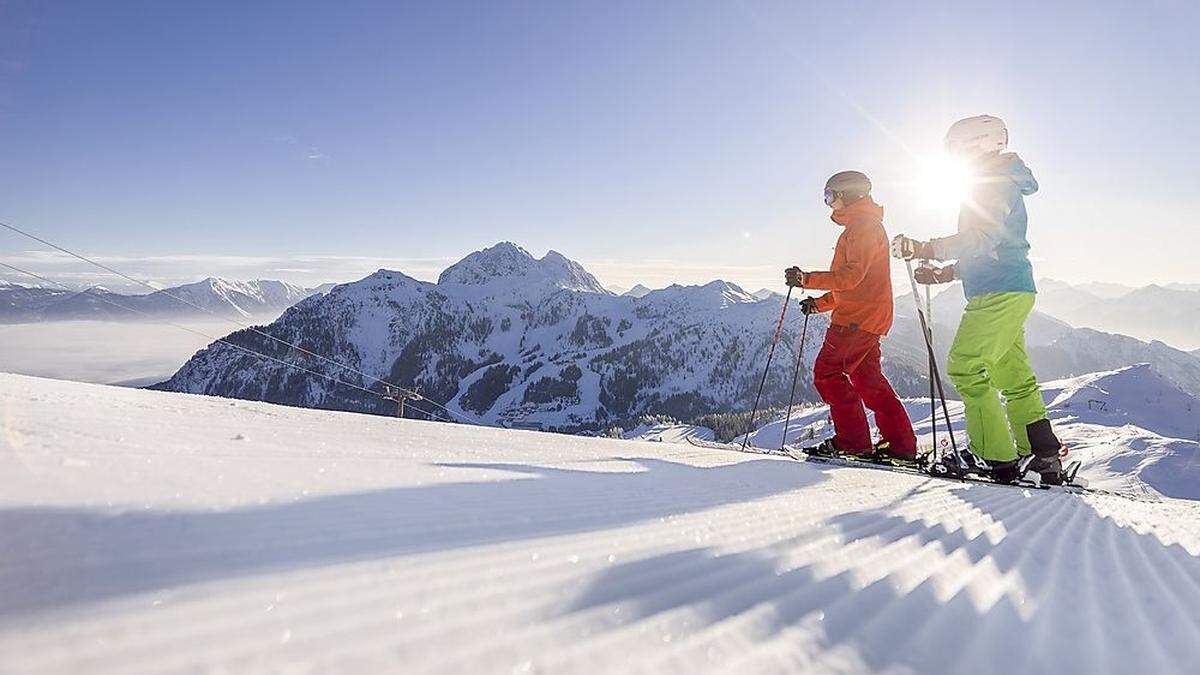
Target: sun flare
x: 944, y: 183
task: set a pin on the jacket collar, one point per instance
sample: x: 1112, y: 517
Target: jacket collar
x: 862, y: 212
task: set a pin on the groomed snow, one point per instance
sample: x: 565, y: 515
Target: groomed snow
x: 149, y: 532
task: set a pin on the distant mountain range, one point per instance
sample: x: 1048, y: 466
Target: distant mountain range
x: 1056, y: 348
x: 1170, y: 313
x: 638, y: 291
x: 506, y: 338
x: 229, y: 299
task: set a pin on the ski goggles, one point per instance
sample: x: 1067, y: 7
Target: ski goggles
x: 831, y: 196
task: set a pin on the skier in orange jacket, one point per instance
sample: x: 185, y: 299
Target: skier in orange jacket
x: 847, y: 372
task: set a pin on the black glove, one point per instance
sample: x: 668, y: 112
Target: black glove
x: 792, y: 276
x: 930, y: 275
x: 809, y: 306
x: 906, y: 248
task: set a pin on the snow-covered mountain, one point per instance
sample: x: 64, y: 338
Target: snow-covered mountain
x: 1130, y: 428
x: 1176, y: 286
x: 152, y: 532
x: 1136, y: 395
x: 1084, y: 350
x: 239, y: 298
x: 1063, y: 300
x: 1150, y: 313
x: 1106, y: 290
x: 1168, y: 313
x: 504, y: 338
x: 225, y: 298
x: 1055, y: 347
x: 638, y: 291
x: 506, y: 267
x: 20, y: 303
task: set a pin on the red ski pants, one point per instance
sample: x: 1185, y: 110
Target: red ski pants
x: 847, y: 375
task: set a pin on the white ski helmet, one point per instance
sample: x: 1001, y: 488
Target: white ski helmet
x: 976, y: 136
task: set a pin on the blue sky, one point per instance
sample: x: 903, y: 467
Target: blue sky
x: 653, y: 141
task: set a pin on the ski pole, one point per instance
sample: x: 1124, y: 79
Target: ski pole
x: 933, y: 367
x: 770, y: 354
x: 787, y: 421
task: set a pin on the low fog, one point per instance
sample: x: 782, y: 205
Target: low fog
x: 129, y: 354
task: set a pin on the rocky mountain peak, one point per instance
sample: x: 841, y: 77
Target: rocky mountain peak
x: 507, y: 261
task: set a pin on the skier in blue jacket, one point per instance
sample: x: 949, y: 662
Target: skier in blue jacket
x: 988, y: 356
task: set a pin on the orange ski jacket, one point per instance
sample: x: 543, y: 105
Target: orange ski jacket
x: 859, y: 280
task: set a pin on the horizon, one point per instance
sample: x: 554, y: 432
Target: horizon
x: 428, y: 270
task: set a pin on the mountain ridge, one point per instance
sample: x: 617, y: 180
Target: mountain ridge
x: 224, y: 297
x: 504, y: 340
x: 1165, y: 312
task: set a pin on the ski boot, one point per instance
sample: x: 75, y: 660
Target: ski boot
x: 826, y: 448
x: 882, y: 453
x: 830, y: 448
x: 1006, y: 472
x: 1046, y: 459
x: 959, y: 465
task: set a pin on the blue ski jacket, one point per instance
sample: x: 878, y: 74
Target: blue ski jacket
x: 991, y: 247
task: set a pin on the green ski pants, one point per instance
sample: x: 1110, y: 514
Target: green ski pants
x: 988, y: 358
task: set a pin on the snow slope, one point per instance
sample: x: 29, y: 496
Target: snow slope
x: 665, y: 432
x: 145, y: 531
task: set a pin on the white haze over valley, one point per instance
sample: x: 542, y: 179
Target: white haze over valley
x: 104, y: 352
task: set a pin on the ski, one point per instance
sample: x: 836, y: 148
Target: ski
x: 1073, y: 484
x: 919, y: 469
x: 743, y: 448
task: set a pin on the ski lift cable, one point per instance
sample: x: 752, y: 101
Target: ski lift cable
x: 235, y: 322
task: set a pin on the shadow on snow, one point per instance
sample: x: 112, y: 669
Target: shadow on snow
x: 53, y: 557
x: 1044, y: 587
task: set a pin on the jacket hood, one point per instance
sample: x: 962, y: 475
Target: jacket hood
x: 863, y: 211
x: 1010, y: 165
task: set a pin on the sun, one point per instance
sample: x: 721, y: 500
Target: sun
x: 945, y: 183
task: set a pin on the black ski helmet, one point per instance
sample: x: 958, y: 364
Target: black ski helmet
x: 851, y: 186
